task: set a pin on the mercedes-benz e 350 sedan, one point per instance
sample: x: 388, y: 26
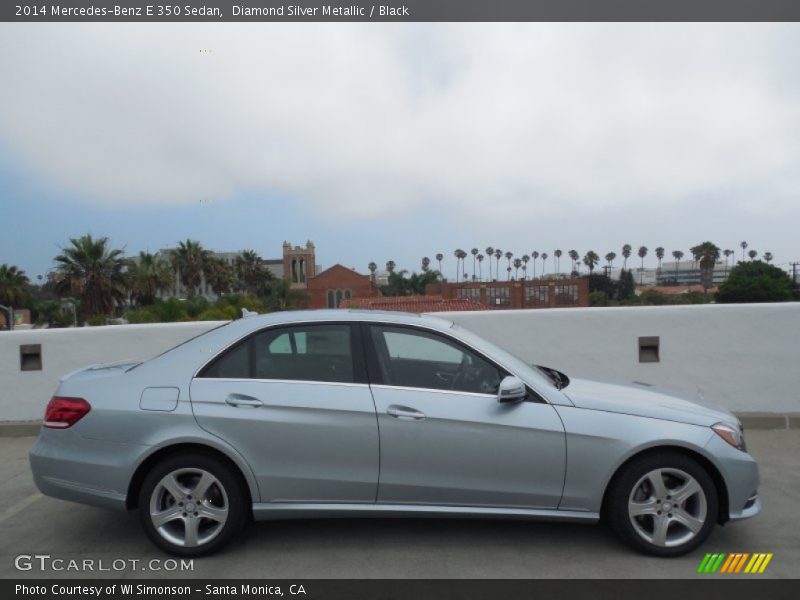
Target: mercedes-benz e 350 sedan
x: 348, y: 413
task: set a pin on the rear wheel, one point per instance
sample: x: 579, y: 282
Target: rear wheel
x: 192, y: 504
x: 663, y: 504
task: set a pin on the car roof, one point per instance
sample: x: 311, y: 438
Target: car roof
x: 322, y: 315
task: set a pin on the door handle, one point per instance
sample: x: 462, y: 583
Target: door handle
x: 404, y: 412
x: 241, y: 400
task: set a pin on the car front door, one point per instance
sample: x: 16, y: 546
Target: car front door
x: 295, y: 402
x: 445, y: 439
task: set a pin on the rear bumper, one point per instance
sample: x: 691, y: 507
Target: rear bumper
x: 70, y: 467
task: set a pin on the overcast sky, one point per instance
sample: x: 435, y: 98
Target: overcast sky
x: 395, y: 141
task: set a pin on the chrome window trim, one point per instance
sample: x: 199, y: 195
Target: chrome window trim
x: 384, y: 386
x: 356, y: 322
x: 293, y: 381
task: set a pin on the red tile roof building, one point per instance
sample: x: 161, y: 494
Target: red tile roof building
x: 414, y: 304
x: 336, y: 284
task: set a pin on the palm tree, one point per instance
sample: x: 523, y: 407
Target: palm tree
x: 90, y: 269
x: 707, y: 254
x: 534, y: 256
x: 557, y: 254
x: 626, y: 254
x: 147, y: 277
x: 610, y: 256
x: 474, y: 253
x: 480, y: 266
x: 590, y: 260
x: 489, y: 254
x: 728, y: 254
x: 752, y: 254
x: 677, y: 255
x: 372, y: 266
x: 426, y: 264
x: 457, y: 254
x: 573, y: 255
x: 250, y: 272
x: 508, y: 258
x: 517, y: 265
x: 439, y: 259
x: 219, y: 275
x: 390, y: 266
x: 659, y: 256
x: 525, y: 259
x: 189, y: 260
x: 768, y: 257
x: 13, y: 285
x: 544, y: 260
x: 642, y: 254
x: 497, y: 254
x: 743, y: 246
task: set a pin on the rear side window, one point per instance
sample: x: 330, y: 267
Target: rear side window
x: 297, y: 353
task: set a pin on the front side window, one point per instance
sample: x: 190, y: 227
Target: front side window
x: 299, y: 353
x: 413, y: 358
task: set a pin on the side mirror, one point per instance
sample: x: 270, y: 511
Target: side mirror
x: 512, y: 389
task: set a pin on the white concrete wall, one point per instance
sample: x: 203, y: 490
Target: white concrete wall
x: 745, y: 357
x: 24, y: 394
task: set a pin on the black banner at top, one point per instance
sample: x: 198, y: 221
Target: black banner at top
x: 399, y: 11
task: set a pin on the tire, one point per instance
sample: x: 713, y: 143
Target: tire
x: 665, y: 520
x: 179, y: 522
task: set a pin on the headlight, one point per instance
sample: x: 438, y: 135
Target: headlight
x: 731, y: 434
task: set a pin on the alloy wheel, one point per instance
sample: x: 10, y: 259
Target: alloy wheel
x: 189, y: 507
x: 667, y: 507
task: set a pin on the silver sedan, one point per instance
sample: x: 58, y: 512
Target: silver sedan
x: 349, y: 413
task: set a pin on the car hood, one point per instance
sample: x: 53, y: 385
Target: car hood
x: 645, y: 400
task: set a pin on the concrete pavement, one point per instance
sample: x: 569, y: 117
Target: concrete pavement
x: 33, y: 524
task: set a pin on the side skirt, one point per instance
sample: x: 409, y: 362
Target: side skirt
x: 265, y: 511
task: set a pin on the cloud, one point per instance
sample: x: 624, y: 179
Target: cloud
x: 381, y: 120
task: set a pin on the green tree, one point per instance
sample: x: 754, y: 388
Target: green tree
x: 706, y: 254
x: 626, y: 288
x: 659, y: 256
x: 590, y: 260
x: 147, y: 277
x: 14, y: 285
x: 626, y: 254
x: 557, y: 254
x: 94, y: 272
x: 251, y: 273
x: 574, y: 256
x: 219, y: 275
x: 489, y: 255
x: 190, y: 260
x: 756, y: 281
x: 281, y: 296
x: 642, y: 254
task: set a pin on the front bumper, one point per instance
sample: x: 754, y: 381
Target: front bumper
x: 741, y: 476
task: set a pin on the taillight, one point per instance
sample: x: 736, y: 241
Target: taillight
x: 64, y: 412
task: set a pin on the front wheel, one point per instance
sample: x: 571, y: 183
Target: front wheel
x: 192, y: 504
x: 663, y: 504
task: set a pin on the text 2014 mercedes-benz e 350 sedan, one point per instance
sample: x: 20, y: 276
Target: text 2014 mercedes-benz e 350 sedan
x: 348, y: 413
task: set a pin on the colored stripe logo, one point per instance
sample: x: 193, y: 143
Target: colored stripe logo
x: 735, y: 562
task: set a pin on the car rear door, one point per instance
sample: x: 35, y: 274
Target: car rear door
x: 295, y: 402
x: 445, y: 439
